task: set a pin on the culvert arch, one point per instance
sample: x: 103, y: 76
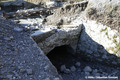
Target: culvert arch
x: 48, y: 39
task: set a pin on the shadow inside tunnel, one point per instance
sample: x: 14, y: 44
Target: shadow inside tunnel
x: 62, y: 55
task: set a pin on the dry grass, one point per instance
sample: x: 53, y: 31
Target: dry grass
x: 109, y: 16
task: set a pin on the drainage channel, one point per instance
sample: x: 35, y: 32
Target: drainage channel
x: 73, y: 67
x: 76, y: 67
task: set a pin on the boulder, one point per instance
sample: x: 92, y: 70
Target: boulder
x: 87, y: 69
x: 49, y: 38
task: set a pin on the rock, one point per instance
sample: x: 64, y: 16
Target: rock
x: 47, y: 67
x: 67, y: 71
x: 62, y: 68
x: 14, y: 78
x: 87, y: 69
x: 16, y: 74
x: 51, y: 4
x: 73, y: 68
x: 100, y: 70
x: 29, y: 71
x: 67, y: 34
x: 47, y: 79
x: 77, y: 64
x: 97, y: 74
x: 104, y: 56
x: 12, y: 3
x: 22, y: 70
x: 26, y: 3
x: 11, y: 37
x: 18, y: 29
x: 9, y: 76
x: 87, y: 73
x: 95, y: 71
x: 114, y: 63
x: 56, y: 79
x: 104, y: 74
x: 7, y: 38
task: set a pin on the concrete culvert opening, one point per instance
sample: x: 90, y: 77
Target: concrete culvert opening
x: 62, y: 55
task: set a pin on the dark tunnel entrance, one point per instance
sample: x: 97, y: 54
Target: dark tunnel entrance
x: 62, y: 55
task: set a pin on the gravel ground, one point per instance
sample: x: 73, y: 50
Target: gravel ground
x: 20, y: 58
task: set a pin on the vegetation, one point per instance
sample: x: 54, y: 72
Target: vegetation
x: 103, y: 29
x: 108, y: 15
x: 114, y: 36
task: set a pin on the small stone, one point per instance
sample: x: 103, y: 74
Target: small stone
x: 67, y: 71
x: 104, y: 56
x: 1, y: 64
x: 113, y: 62
x: 79, y: 70
x: 7, y: 38
x: 47, y: 79
x: 56, y: 79
x: 87, y: 73
x: 18, y: 29
x: 29, y: 71
x: 3, y: 77
x: 104, y: 74
x: 62, y: 68
x: 15, y: 73
x: 77, y: 64
x: 87, y: 69
x: 96, y: 55
x: 19, y: 77
x: 31, y: 78
x: 20, y: 67
x: 97, y: 74
x: 9, y: 76
x: 22, y: 70
x: 14, y: 78
x: 11, y: 37
x: 118, y: 60
x: 89, y: 51
x: 95, y: 71
x: 47, y: 67
x: 100, y: 70
x: 73, y: 68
